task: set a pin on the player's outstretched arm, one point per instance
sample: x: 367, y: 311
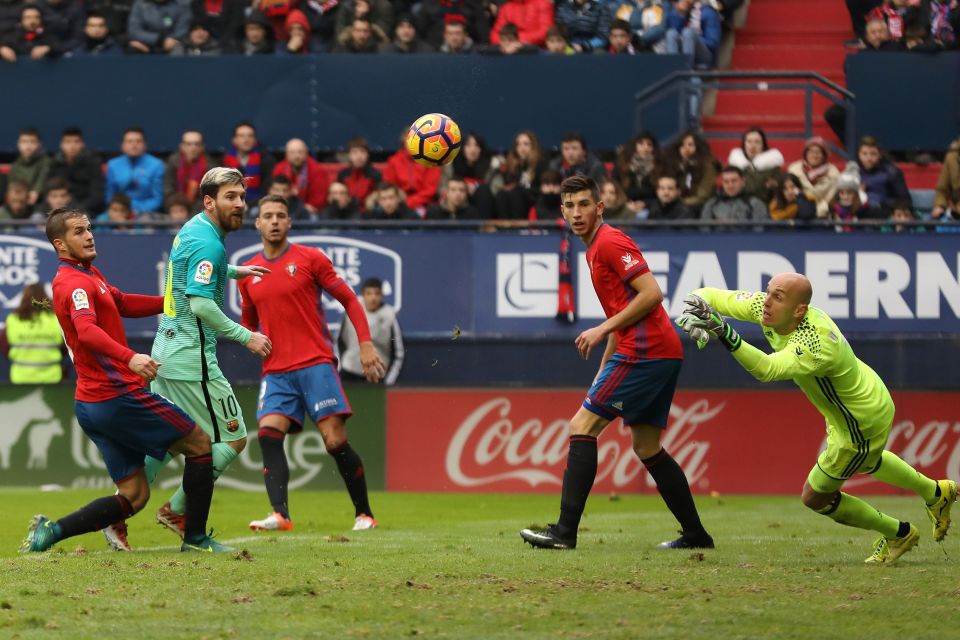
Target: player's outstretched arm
x: 244, y: 271
x: 135, y: 305
x: 742, y: 305
x: 211, y: 315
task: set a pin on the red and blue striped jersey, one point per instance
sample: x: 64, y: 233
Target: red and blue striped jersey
x: 615, y: 261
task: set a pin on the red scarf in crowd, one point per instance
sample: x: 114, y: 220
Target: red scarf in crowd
x: 189, y: 175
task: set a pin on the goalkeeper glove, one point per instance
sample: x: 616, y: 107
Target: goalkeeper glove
x: 712, y: 321
x: 695, y: 328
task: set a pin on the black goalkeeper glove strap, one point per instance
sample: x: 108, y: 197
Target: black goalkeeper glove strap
x: 730, y: 338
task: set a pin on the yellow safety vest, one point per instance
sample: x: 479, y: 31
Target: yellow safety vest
x: 34, y: 349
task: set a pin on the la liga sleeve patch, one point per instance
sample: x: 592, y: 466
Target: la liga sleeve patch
x: 204, y: 272
x: 80, y: 300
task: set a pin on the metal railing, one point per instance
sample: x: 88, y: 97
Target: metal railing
x: 687, y: 85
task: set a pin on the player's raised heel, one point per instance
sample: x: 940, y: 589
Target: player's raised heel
x: 364, y: 522
x: 273, y: 522
x: 41, y: 535
x: 116, y: 535
x: 939, y: 511
x: 173, y: 521
x: 887, y: 550
x: 547, y: 538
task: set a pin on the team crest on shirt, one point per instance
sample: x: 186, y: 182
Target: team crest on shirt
x: 292, y: 269
x: 204, y: 272
x: 628, y: 261
x: 101, y: 286
x: 80, y: 300
x: 233, y: 425
x: 744, y: 295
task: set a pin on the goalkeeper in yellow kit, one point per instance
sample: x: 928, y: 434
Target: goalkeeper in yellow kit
x: 810, y: 350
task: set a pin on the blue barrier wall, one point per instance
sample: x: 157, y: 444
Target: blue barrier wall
x: 327, y: 99
x: 908, y: 100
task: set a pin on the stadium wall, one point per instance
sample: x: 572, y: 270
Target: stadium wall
x: 328, y: 99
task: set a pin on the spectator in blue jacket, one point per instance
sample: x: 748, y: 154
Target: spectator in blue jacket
x: 648, y: 21
x: 882, y: 180
x: 693, y: 28
x: 157, y: 26
x: 587, y: 23
x: 136, y: 173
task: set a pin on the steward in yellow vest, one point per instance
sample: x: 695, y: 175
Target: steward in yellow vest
x: 35, y: 340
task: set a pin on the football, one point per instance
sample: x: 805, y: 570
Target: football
x: 434, y: 140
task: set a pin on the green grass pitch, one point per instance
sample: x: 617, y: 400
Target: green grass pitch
x: 453, y: 566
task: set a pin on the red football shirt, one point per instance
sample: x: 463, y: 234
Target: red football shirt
x: 615, y: 261
x: 89, y: 312
x: 285, y: 305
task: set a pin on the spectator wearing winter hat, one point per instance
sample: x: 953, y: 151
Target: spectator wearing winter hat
x: 257, y: 36
x: 846, y: 204
x: 224, y: 19
x: 760, y: 164
x: 298, y: 34
x: 199, y: 42
x: 29, y: 39
x: 433, y: 16
x: 817, y: 175
x: 362, y: 37
x: 405, y: 39
x: 882, y: 181
x: 157, y: 26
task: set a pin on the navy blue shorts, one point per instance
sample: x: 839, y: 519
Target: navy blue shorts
x: 134, y: 425
x: 315, y: 391
x: 639, y: 392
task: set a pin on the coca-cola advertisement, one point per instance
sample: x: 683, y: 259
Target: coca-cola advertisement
x: 746, y: 442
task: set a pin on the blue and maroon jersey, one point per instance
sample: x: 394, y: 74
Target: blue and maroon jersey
x: 615, y: 261
x: 89, y: 311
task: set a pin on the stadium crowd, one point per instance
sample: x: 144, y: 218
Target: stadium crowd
x: 645, y: 181
x: 904, y: 25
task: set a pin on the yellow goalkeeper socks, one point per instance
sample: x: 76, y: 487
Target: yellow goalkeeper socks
x: 854, y: 512
x: 893, y: 470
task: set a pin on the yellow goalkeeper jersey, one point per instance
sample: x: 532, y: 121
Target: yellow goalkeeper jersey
x: 816, y: 356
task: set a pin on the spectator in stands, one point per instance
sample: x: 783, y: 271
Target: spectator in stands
x: 477, y: 167
x: 817, y: 175
x: 405, y: 39
x: 389, y: 204
x: 9, y: 18
x: 298, y: 35
x: 158, y: 26
x: 587, y: 23
x: 420, y: 183
x: 790, y: 202
x: 377, y: 13
x: 199, y: 41
x: 275, y: 12
x: 733, y: 204
x: 882, y: 180
x: 944, y: 22
x: 761, y: 165
x: 63, y: 21
x: 556, y: 42
x: 29, y: 39
x: 455, y: 203
x: 948, y: 182
x: 615, y: 205
x: 532, y: 17
x: 635, y: 166
x: 341, y: 205
x: 224, y: 19
x: 186, y: 167
x: 648, y: 21
x: 119, y: 210
x: 360, y: 177
x: 80, y: 168
x: 254, y: 162
x: 519, y: 175
x: 547, y: 206
x: 136, y: 173
x: 896, y: 13
x: 116, y: 13
x: 281, y: 186
x: 903, y: 212
x: 846, y: 203
x: 308, y: 177
x: 455, y: 38
x: 693, y: 28
x: 858, y: 12
x: 16, y: 202
x: 362, y: 37
x: 257, y: 36
x: 178, y: 208
x: 690, y: 158
x: 621, y: 39
x: 510, y: 43
x: 668, y: 205
x: 877, y: 37
x: 322, y: 16
x: 576, y: 159
x: 31, y: 165
x: 97, y: 40
x: 384, y: 332
x: 917, y: 38
x: 58, y: 195
x: 433, y: 16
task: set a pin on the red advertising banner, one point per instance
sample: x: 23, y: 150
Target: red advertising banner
x: 750, y: 442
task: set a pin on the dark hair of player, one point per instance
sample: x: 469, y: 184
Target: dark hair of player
x: 372, y: 283
x: 57, y: 222
x: 279, y: 199
x: 576, y: 184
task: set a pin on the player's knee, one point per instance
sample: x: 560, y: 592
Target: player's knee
x: 196, y: 444
x: 138, y: 498
x: 816, y: 501
x: 646, y: 450
x: 334, y: 438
